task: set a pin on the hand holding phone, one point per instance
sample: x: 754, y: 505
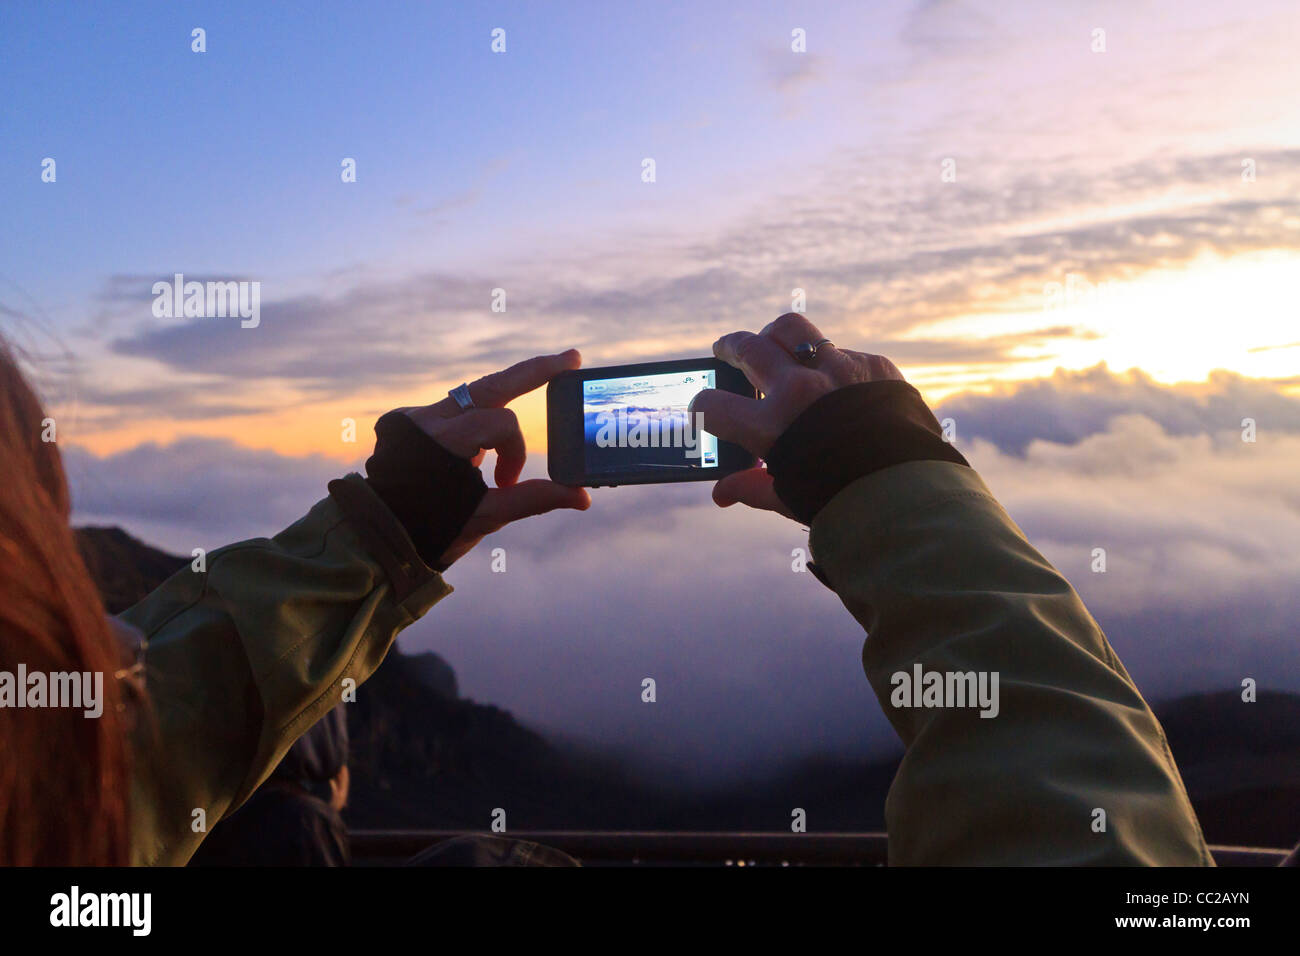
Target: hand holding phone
x: 489, y: 424
x: 789, y: 387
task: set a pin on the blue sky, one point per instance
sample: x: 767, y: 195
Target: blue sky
x: 229, y: 160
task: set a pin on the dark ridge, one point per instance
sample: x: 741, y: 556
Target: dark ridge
x: 124, y: 568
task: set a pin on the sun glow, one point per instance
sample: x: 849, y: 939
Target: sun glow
x: 1177, y: 325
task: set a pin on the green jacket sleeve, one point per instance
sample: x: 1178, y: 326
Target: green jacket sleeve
x: 246, y: 654
x: 940, y: 576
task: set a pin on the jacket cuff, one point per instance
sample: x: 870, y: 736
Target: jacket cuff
x: 430, y: 491
x: 382, y: 536
x: 850, y: 433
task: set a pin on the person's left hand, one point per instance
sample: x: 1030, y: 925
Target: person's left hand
x: 489, y: 424
x: 789, y: 387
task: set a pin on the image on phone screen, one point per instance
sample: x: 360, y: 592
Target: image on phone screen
x: 641, y: 423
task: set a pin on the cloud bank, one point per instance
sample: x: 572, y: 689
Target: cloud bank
x: 755, y: 663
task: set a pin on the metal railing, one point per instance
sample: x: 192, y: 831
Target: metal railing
x: 386, y: 847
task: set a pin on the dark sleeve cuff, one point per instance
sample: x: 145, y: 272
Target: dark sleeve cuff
x: 849, y: 433
x: 428, y: 489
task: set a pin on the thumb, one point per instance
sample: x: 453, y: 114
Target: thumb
x: 751, y: 487
x: 533, y: 497
x: 731, y: 417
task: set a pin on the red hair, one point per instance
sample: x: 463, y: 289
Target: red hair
x: 64, y: 777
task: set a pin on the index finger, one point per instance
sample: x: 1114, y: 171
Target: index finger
x: 761, y: 359
x: 495, y: 390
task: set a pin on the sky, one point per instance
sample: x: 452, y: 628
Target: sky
x: 1083, y: 247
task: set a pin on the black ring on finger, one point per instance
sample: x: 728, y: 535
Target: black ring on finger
x: 805, y: 352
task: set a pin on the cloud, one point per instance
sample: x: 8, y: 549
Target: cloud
x: 467, y: 198
x: 790, y: 72
x: 1071, y: 406
x: 755, y: 663
x: 373, y: 333
x: 121, y: 406
x: 947, y: 27
x: 196, y: 492
x: 1202, y: 544
x: 935, y: 251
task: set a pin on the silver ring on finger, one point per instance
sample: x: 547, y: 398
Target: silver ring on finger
x: 460, y: 395
x: 807, y: 351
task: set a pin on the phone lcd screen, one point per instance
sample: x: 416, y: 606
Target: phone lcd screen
x: 640, y: 423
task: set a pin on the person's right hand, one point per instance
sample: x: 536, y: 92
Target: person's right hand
x: 788, y: 387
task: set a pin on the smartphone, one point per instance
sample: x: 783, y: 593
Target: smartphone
x: 628, y: 424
